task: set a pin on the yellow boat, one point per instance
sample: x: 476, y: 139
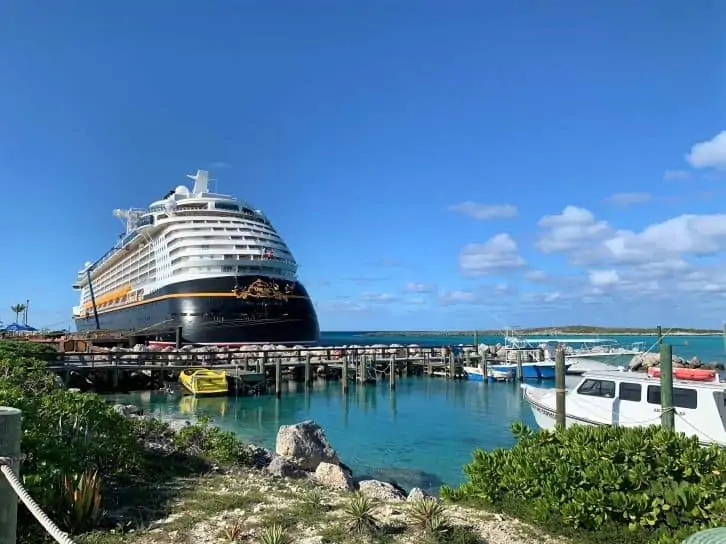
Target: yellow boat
x: 204, y: 381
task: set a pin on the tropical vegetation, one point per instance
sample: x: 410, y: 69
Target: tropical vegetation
x: 607, y: 483
x: 81, y: 455
x: 17, y: 309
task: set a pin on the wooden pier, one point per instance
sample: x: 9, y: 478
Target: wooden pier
x: 250, y: 372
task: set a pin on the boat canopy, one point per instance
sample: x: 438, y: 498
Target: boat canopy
x: 569, y: 340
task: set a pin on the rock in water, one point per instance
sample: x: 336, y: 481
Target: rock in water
x: 306, y: 443
x: 333, y: 476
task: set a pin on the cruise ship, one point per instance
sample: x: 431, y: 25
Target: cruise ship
x: 206, y: 262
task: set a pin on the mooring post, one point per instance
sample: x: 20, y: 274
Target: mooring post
x: 10, y: 436
x: 178, y: 338
x: 308, y: 370
x: 278, y: 377
x: 392, y: 377
x: 667, y: 417
x: 520, y: 374
x: 452, y: 365
x: 560, y: 388
x: 476, y: 341
x: 362, y: 369
x: 344, y: 373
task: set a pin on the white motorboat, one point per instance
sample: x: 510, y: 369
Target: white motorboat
x: 632, y: 399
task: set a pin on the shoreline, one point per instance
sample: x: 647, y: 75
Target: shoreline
x: 304, y: 488
x: 460, y: 334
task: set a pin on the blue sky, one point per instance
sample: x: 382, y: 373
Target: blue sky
x: 432, y: 165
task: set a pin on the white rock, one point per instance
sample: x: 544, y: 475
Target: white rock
x: 416, y: 494
x: 380, y: 490
x: 333, y: 477
x: 306, y: 443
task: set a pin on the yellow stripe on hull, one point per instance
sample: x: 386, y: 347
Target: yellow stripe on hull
x: 175, y: 295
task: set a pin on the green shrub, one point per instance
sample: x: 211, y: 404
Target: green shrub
x: 646, y: 480
x: 67, y: 437
x: 212, y: 443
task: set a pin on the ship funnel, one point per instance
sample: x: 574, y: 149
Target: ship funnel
x: 201, y: 179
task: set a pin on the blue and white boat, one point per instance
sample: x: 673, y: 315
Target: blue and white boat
x: 581, y: 354
x: 476, y: 373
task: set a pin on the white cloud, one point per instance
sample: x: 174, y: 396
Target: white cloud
x: 413, y: 287
x: 536, y: 275
x: 448, y: 298
x: 711, y: 153
x: 604, y: 278
x: 378, y: 298
x: 569, y: 230
x: 484, y: 211
x: 628, y: 199
x: 498, y: 253
x: 673, y: 175
x: 586, y: 240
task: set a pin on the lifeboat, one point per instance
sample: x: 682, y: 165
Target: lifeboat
x: 690, y: 374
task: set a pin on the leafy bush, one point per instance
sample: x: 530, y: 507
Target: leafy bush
x: 647, y: 481
x: 212, y: 443
x: 75, y: 444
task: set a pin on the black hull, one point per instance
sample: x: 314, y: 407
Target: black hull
x: 225, y: 310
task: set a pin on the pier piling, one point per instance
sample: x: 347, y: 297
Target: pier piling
x: 10, y: 435
x: 561, y: 413
x: 308, y: 371
x: 278, y: 377
x: 344, y: 374
x: 520, y: 374
x: 667, y: 417
x: 392, y: 375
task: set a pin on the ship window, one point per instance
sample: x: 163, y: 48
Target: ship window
x: 597, y: 388
x: 225, y: 206
x: 682, y: 397
x: 630, y: 391
x: 720, y: 398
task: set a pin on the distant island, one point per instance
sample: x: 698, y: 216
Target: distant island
x: 559, y: 331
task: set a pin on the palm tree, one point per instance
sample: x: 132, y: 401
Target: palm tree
x: 18, y: 309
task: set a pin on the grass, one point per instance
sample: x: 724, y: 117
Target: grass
x: 254, y: 508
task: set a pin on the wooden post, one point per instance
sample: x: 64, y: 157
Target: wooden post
x: 476, y: 341
x: 344, y: 373
x: 520, y: 374
x: 452, y: 365
x: 308, y: 371
x: 278, y: 377
x: 178, y: 338
x: 10, y: 435
x: 560, y: 388
x: 392, y: 377
x: 667, y: 417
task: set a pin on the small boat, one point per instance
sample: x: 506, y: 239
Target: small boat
x: 632, y: 399
x: 475, y: 373
x: 693, y: 374
x: 204, y: 381
x: 544, y: 370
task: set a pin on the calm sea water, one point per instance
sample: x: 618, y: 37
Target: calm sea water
x: 419, y: 435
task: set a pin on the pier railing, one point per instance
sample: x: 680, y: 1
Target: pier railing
x: 12, y: 489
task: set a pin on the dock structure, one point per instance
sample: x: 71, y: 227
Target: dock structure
x: 251, y: 371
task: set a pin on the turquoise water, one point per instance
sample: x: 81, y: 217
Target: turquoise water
x: 707, y: 348
x: 419, y: 435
